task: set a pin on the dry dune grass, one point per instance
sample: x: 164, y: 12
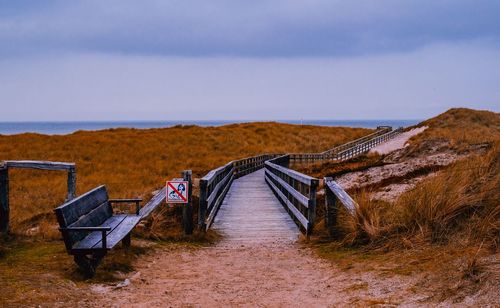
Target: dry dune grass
x: 133, y: 163
x: 467, y: 190
x: 445, y: 231
x: 463, y: 197
x: 462, y: 200
x: 459, y: 129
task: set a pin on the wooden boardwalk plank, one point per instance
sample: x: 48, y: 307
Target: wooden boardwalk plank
x: 251, y: 213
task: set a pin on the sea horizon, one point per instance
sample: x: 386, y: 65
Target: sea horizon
x: 69, y: 127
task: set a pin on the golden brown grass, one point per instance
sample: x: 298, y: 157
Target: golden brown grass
x: 366, y: 225
x: 439, y: 205
x: 461, y: 199
x: 39, y: 273
x: 464, y: 197
x: 460, y: 129
x: 447, y: 228
x: 133, y: 162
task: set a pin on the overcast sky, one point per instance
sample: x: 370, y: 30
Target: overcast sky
x: 252, y: 60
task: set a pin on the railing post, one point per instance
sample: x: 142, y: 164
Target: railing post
x: 71, y: 184
x: 4, y: 200
x: 330, y: 207
x: 287, y: 162
x: 202, y: 209
x: 311, y: 210
x: 187, y: 209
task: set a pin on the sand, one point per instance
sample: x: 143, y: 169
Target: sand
x: 271, y: 275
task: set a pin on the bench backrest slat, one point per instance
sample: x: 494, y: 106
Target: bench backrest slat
x: 88, y: 210
x: 71, y: 211
x: 93, y: 218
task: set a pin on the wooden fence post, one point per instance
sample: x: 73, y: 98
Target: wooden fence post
x: 330, y: 207
x: 202, y: 209
x: 311, y: 209
x: 4, y: 200
x: 187, y: 210
x: 71, y: 184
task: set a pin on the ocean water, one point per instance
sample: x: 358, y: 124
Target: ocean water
x: 61, y: 128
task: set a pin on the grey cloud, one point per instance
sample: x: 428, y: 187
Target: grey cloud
x: 242, y: 28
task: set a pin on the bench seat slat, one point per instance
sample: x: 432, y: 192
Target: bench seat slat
x: 124, y: 228
x: 95, y: 237
x: 121, y: 226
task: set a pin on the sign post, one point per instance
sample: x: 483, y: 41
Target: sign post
x: 180, y: 191
x: 187, y: 210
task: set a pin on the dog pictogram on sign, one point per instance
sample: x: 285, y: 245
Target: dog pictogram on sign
x: 177, y: 191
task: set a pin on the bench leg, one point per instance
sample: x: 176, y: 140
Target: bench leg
x: 126, y: 241
x: 89, y: 263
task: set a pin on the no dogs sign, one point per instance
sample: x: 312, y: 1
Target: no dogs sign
x: 177, y: 191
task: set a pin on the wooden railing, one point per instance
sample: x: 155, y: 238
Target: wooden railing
x: 335, y: 196
x: 296, y: 191
x: 332, y: 154
x: 215, y: 185
x: 250, y: 164
x: 213, y: 188
x: 366, y: 145
x: 301, y: 158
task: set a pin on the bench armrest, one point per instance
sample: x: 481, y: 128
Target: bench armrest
x: 125, y: 200
x: 86, y: 229
x: 102, y: 229
x: 133, y: 200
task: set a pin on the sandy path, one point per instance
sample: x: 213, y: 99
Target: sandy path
x: 397, y: 142
x: 264, y: 275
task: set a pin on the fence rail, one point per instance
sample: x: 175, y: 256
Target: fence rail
x: 335, y: 195
x: 333, y: 154
x: 250, y: 164
x: 152, y: 204
x: 365, y: 146
x: 213, y: 188
x: 330, y: 154
x: 295, y: 191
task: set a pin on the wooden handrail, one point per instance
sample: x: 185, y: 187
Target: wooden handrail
x: 380, y: 130
x: 332, y: 154
x: 335, y: 196
x: 366, y: 146
x: 295, y: 191
x: 152, y: 204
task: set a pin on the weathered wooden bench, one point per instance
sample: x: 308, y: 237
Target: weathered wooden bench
x: 90, y: 229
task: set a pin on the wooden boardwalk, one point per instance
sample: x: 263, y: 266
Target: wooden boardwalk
x: 251, y: 214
